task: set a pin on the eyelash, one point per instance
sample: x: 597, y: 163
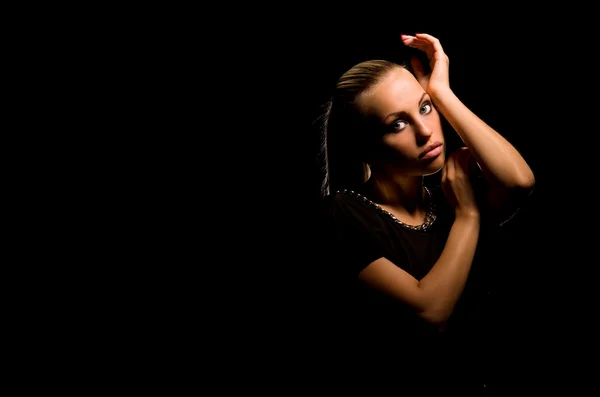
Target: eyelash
x: 427, y: 103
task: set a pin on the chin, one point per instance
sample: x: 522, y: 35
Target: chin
x: 435, y: 166
x: 433, y: 171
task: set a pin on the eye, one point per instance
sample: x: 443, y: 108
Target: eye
x: 426, y: 108
x: 399, y: 125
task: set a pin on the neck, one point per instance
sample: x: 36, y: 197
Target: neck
x: 399, y: 192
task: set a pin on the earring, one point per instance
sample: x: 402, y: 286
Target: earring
x: 366, y: 172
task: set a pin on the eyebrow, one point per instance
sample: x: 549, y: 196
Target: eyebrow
x: 402, y: 112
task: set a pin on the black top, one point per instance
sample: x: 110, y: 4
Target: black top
x: 360, y: 232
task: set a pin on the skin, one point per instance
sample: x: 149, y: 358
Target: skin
x: 407, y: 107
x: 411, y: 123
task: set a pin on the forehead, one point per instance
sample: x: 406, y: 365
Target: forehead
x: 398, y: 91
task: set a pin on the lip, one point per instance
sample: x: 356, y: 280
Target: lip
x: 431, y: 151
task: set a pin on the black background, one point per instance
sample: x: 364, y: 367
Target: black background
x: 198, y: 241
x: 234, y: 249
x: 513, y: 77
x: 494, y: 78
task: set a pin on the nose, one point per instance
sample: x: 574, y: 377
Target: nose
x: 422, y: 130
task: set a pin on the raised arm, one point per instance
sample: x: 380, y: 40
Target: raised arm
x: 507, y: 172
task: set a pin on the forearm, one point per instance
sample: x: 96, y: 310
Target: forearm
x: 499, y: 160
x: 443, y: 285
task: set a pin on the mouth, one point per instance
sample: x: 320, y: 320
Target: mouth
x: 431, y: 151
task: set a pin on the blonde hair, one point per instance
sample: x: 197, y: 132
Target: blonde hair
x: 344, y: 141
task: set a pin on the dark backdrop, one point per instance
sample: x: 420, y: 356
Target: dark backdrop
x: 490, y: 76
x: 513, y: 78
x: 232, y: 238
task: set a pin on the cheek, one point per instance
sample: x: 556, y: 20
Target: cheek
x: 398, y: 144
x: 434, y: 122
x: 395, y: 153
x: 442, y: 158
x: 391, y: 151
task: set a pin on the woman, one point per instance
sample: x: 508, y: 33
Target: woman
x: 407, y: 214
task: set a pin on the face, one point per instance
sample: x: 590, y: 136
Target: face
x: 410, y: 126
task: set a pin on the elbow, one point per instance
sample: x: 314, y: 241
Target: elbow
x: 523, y: 183
x: 436, y: 308
x: 526, y: 187
x: 527, y: 181
x: 436, y: 317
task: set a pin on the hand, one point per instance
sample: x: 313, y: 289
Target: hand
x: 456, y: 182
x: 438, y: 78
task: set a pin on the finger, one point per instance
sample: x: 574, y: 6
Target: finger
x: 469, y: 158
x: 407, y: 40
x: 433, y: 41
x: 474, y: 168
x: 463, y: 155
x: 420, y: 45
x: 450, y: 167
x: 415, y: 42
x: 444, y: 172
x: 425, y: 36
